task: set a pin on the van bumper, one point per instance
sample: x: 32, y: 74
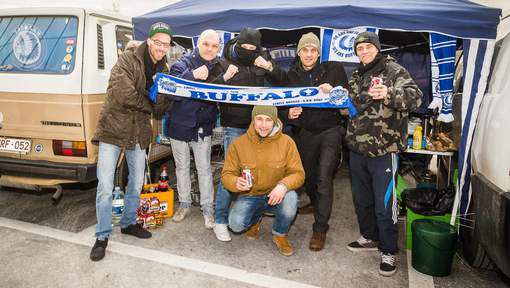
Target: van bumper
x: 82, y: 173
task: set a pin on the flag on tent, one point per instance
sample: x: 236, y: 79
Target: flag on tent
x: 338, y: 44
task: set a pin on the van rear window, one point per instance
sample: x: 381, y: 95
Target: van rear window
x: 38, y: 44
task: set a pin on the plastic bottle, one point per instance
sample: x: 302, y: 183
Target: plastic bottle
x: 417, y: 138
x: 163, y: 180
x: 117, y: 205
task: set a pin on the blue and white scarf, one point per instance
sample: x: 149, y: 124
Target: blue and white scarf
x: 269, y: 96
x: 442, y: 58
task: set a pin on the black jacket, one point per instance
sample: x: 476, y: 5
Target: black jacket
x: 315, y: 120
x: 237, y: 115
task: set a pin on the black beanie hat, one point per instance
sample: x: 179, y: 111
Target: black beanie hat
x: 249, y: 36
x: 367, y: 37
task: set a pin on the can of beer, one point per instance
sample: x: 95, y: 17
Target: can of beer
x: 247, y: 176
x: 376, y: 81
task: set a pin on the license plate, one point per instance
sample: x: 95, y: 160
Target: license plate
x: 13, y: 145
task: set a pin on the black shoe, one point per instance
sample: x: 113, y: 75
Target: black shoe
x: 99, y: 249
x: 388, y: 266
x: 136, y: 230
x: 362, y: 244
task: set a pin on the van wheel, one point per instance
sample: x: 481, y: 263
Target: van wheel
x: 472, y: 250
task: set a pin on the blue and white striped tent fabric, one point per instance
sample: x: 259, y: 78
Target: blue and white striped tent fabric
x: 474, y: 23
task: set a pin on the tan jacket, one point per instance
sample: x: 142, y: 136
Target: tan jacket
x: 272, y: 160
x: 125, y: 119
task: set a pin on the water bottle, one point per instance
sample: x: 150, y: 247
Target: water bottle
x: 117, y: 205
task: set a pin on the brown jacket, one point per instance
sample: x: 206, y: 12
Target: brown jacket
x: 272, y: 160
x: 126, y: 114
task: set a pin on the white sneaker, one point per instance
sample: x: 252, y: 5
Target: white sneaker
x: 221, y: 232
x: 209, y: 221
x: 181, y: 214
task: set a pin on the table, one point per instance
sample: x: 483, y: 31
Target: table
x: 448, y: 154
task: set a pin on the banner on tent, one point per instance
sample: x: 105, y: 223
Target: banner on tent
x: 224, y: 38
x: 295, y: 96
x: 338, y: 44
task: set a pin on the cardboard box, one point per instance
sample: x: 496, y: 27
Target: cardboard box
x: 167, y: 197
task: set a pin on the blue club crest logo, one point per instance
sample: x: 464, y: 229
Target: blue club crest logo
x: 26, y: 45
x: 338, y: 96
x: 168, y: 85
x: 343, y: 44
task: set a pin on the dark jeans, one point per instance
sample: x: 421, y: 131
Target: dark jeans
x: 373, y: 192
x: 319, y: 154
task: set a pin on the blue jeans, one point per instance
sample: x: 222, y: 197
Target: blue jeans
x: 247, y: 211
x: 106, y: 165
x: 223, y: 197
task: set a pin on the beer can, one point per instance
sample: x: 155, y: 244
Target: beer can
x: 376, y: 81
x: 247, y: 176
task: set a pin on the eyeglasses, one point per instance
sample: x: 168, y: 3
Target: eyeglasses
x: 161, y: 44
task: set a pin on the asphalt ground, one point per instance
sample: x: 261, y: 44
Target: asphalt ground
x: 48, y: 246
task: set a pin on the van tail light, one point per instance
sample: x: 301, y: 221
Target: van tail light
x: 70, y: 148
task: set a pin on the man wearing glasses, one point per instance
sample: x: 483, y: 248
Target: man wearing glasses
x: 124, y: 123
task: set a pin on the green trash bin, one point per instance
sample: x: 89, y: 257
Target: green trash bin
x: 434, y: 244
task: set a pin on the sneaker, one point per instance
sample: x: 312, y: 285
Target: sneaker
x: 99, y: 249
x: 253, y: 231
x: 362, y: 244
x: 209, y: 221
x: 181, y: 214
x: 221, y: 232
x: 136, y: 230
x: 388, y: 266
x: 283, y: 245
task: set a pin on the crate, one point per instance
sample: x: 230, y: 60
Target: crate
x: 167, y: 196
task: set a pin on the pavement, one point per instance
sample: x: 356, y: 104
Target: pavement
x: 48, y: 246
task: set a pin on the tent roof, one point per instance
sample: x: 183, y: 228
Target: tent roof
x: 458, y: 18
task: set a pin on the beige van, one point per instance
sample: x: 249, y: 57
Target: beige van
x: 54, y: 69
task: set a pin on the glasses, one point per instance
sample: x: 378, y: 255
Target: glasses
x: 161, y: 44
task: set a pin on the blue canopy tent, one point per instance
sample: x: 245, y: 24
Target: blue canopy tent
x: 474, y: 23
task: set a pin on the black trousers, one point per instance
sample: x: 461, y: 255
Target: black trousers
x: 319, y: 154
x: 373, y: 180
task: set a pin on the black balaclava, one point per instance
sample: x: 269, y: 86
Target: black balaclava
x: 247, y: 36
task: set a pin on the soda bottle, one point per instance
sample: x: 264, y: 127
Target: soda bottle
x: 117, y: 205
x: 163, y: 180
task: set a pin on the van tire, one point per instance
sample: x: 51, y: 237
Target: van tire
x: 472, y: 250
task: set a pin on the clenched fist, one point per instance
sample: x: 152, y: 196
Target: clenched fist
x: 231, y: 71
x: 201, y: 73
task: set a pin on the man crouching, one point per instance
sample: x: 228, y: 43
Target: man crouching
x: 273, y: 162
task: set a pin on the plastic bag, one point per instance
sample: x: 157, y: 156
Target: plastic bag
x: 429, y: 201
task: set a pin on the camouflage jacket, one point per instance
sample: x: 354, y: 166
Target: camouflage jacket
x: 381, y: 125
